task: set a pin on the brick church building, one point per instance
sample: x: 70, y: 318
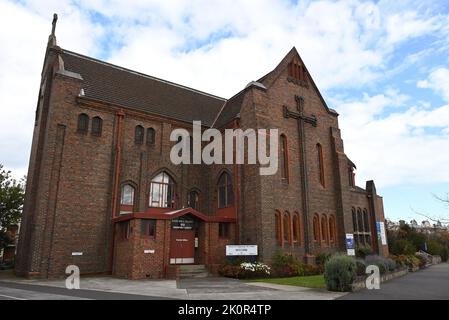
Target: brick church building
x: 103, y: 194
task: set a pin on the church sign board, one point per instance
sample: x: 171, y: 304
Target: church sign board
x: 350, y: 245
x: 241, y: 250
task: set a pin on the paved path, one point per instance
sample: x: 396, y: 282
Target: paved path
x: 25, y: 291
x: 188, y: 289
x: 431, y: 283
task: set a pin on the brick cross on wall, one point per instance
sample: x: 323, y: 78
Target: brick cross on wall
x: 301, y: 119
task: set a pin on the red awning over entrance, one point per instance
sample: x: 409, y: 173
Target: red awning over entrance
x: 158, y: 215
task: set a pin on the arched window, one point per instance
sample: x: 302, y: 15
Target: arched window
x: 365, y: 220
x: 354, y: 220
x: 296, y: 228
x: 151, y: 136
x: 286, y: 227
x: 97, y: 126
x: 316, y: 228
x: 194, y: 200
x: 284, y: 157
x: 294, y: 70
x: 320, y: 164
x: 138, y: 135
x: 162, y: 191
x: 127, y: 197
x: 83, y: 123
x: 360, y: 226
x: 332, y: 229
x: 323, y: 228
x: 277, y: 226
x: 225, y: 191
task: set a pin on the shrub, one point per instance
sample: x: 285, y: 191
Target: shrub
x: 409, y: 261
x: 340, y: 273
x: 436, y: 248
x: 403, y: 246
x: 245, y: 270
x: 322, y: 257
x: 313, y: 270
x: 363, y: 251
x: 384, y: 264
x: 422, y: 260
x: 286, y: 265
x: 360, y: 267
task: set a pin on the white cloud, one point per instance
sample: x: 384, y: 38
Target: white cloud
x: 438, y: 81
x: 345, y: 44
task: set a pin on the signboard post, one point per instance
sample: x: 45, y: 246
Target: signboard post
x: 381, y: 234
x: 350, y: 245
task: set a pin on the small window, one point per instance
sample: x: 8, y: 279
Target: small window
x: 225, y: 191
x: 286, y: 225
x: 320, y: 164
x: 316, y: 228
x: 366, y: 220
x: 83, y: 123
x: 148, y: 228
x: 323, y: 228
x: 223, y: 230
x: 125, y: 230
x: 127, y: 195
x: 97, y: 126
x: 354, y: 220
x: 162, y: 191
x: 194, y: 200
x: 295, y: 228
x: 284, y: 158
x: 139, y: 135
x: 151, y: 136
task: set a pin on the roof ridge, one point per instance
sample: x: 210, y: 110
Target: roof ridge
x: 142, y: 74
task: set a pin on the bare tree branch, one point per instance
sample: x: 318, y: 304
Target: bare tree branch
x: 429, y: 217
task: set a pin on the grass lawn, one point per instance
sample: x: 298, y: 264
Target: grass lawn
x: 306, y: 281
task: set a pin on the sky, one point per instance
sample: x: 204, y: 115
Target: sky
x: 383, y: 65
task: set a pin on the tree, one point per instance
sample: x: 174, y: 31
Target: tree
x: 12, y: 195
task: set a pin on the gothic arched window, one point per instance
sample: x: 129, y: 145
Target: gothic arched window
x: 320, y: 164
x: 139, y: 133
x: 284, y: 157
x: 194, y: 200
x: 127, y: 197
x: 151, y: 136
x: 225, y: 191
x: 162, y: 191
x: 83, y: 123
x: 97, y: 126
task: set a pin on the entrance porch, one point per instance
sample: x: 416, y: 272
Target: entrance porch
x: 155, y: 244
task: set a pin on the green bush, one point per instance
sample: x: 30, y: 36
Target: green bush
x: 313, y: 269
x: 436, y: 248
x: 322, y: 257
x: 340, y: 273
x: 363, y: 251
x: 286, y: 265
x: 403, y: 246
x: 361, y: 266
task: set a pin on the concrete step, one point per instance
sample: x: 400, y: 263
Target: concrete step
x: 193, y: 271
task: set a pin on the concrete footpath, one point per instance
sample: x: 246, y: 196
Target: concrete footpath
x: 428, y: 284
x: 188, y: 289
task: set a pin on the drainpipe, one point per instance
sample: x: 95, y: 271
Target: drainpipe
x: 120, y: 115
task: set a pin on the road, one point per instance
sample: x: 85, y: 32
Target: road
x: 23, y: 291
x: 429, y: 284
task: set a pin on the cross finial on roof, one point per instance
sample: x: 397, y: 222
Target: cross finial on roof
x: 55, y: 19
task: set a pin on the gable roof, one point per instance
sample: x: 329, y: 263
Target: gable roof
x: 232, y: 107
x: 116, y: 85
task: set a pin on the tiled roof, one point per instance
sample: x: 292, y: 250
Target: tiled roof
x: 116, y: 85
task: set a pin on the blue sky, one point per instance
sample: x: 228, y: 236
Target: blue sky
x: 383, y: 65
